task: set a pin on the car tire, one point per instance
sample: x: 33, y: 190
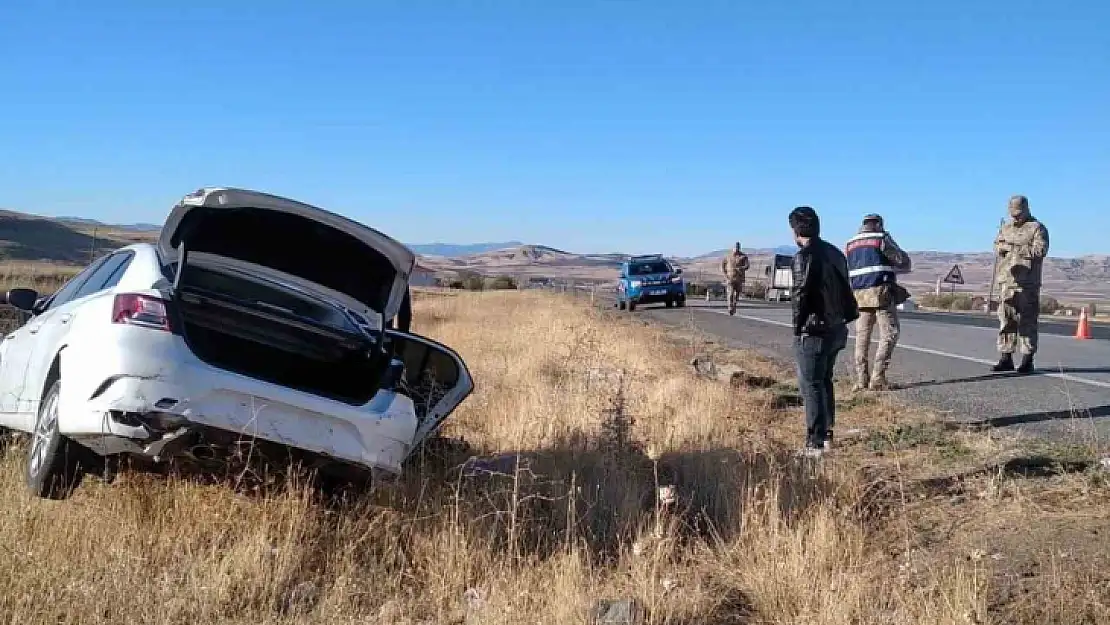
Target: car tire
x: 621, y: 305
x: 52, y: 459
x: 670, y: 303
x: 631, y: 307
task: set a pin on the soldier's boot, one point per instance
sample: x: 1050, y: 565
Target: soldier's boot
x: 879, y: 382
x: 882, y: 363
x: 1005, y: 363
x: 1026, y: 365
x: 861, y: 379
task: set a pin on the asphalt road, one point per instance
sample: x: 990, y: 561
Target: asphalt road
x: 943, y: 361
x: 1062, y: 326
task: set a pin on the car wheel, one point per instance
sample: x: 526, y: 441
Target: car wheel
x: 621, y: 305
x: 52, y: 459
x: 669, y: 303
x: 631, y: 306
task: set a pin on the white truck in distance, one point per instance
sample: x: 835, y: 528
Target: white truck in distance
x: 254, y: 318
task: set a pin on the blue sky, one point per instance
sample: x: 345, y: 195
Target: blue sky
x: 591, y: 126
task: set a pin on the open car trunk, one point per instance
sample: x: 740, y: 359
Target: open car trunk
x: 284, y: 291
x: 264, y: 330
x: 359, y: 266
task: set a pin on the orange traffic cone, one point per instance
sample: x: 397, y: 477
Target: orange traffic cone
x: 1083, y: 330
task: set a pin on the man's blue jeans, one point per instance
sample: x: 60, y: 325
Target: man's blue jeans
x: 816, y: 361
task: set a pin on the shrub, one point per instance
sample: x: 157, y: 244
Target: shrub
x: 466, y: 281
x: 756, y: 289
x: 1049, y: 305
x: 947, y: 301
x: 473, y: 283
x: 961, y: 302
x: 693, y: 289
x: 499, y: 283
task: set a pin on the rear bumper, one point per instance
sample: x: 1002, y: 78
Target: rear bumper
x: 137, y: 396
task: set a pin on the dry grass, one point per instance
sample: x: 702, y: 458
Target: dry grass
x: 42, y: 276
x: 593, y: 414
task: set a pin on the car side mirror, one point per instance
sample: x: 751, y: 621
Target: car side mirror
x: 23, y: 299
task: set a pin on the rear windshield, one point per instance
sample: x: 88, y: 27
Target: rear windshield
x: 643, y: 269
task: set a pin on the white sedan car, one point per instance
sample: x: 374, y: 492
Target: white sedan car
x: 253, y: 318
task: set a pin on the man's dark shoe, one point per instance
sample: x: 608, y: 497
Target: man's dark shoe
x: 1006, y: 363
x: 1026, y: 365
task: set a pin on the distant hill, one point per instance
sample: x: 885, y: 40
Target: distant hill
x: 74, y: 240
x: 25, y: 237
x: 81, y: 221
x: 453, y: 249
x: 759, y: 251
x: 1070, y: 279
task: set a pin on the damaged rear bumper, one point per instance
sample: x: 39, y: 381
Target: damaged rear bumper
x: 163, y: 416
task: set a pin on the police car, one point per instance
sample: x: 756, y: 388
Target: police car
x: 650, y: 279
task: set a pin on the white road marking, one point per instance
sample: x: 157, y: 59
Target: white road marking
x: 1067, y: 377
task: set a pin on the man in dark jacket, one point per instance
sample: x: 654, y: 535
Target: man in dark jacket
x: 823, y: 306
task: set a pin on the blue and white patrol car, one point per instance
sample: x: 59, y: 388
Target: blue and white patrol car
x: 650, y: 279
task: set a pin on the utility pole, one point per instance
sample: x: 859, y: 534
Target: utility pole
x: 92, y: 246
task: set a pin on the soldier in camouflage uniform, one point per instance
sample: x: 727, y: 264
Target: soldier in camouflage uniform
x: 1021, y: 246
x: 735, y: 267
x: 874, y: 260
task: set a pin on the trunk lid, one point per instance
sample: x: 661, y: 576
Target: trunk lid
x: 367, y: 268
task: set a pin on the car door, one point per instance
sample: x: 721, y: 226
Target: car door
x: 54, y: 332
x: 17, y: 346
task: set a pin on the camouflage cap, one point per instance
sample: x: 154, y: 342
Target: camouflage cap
x: 1018, y: 206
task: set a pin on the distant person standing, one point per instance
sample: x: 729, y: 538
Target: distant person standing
x: 874, y: 260
x: 735, y: 266
x: 1021, y: 247
x: 823, y: 306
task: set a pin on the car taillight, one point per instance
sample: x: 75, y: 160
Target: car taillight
x: 141, y: 310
